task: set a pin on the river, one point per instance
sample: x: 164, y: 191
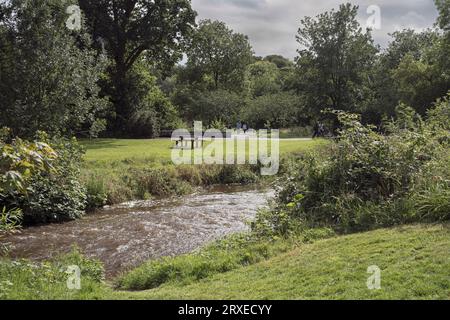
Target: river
x: 126, y: 235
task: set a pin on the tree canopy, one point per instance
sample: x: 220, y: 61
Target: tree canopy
x: 334, y: 60
x: 127, y: 29
x: 220, y: 54
x: 48, y: 74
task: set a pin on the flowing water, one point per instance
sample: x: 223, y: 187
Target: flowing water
x: 126, y: 235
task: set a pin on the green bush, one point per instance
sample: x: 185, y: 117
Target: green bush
x: 41, y: 179
x: 10, y: 220
x: 158, y: 182
x: 368, y: 179
x: 90, y: 268
x: 237, y: 174
x: 58, y: 195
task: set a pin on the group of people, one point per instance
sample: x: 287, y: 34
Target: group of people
x: 319, y: 130
x: 242, y: 126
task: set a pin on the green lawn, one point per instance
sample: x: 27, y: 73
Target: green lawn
x: 160, y: 150
x: 415, y: 264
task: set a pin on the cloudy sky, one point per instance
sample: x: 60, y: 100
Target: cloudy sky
x: 272, y: 24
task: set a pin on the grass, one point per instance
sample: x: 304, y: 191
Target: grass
x: 102, y: 151
x: 219, y: 257
x: 414, y: 262
x: 116, y: 171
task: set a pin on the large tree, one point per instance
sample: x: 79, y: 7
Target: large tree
x: 127, y: 29
x: 48, y: 79
x: 391, y: 73
x: 220, y: 54
x: 334, y: 60
x: 411, y: 71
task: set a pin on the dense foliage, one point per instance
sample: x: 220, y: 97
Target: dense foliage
x: 334, y: 65
x: 129, y: 30
x: 48, y: 73
x: 41, y: 180
x: 118, y: 71
x: 369, y: 179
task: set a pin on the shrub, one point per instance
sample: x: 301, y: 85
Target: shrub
x: 150, y: 111
x: 59, y: 195
x: 90, y: 268
x: 41, y: 179
x: 212, y: 105
x: 280, y: 110
x: 133, y: 182
x: 10, y: 220
x: 368, y: 179
x: 237, y: 174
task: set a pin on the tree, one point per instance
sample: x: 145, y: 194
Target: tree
x: 408, y: 42
x: 152, y: 110
x: 420, y: 82
x: 280, y: 61
x: 127, y: 29
x: 389, y: 85
x: 443, y: 7
x: 286, y: 69
x: 218, y: 105
x: 278, y: 110
x: 220, y: 54
x: 262, y: 78
x: 410, y: 71
x: 335, y: 60
x: 48, y: 79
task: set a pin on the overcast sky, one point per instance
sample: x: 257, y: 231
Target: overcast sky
x: 272, y: 24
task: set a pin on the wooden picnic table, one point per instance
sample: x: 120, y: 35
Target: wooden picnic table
x: 189, y: 143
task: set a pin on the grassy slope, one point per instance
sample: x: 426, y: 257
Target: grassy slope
x: 415, y: 264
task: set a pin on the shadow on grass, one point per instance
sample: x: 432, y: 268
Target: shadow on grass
x: 100, y: 144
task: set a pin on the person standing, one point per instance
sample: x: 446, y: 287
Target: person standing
x: 316, y: 130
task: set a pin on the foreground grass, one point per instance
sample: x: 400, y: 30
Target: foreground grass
x: 414, y: 261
